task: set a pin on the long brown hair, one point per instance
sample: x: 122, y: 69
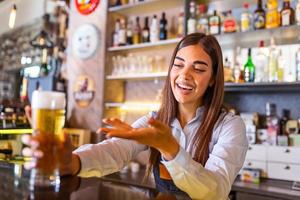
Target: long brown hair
x: 213, y: 98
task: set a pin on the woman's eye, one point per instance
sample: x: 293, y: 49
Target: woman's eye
x: 177, y: 65
x: 200, y: 70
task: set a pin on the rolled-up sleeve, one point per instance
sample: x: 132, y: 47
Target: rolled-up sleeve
x: 109, y: 156
x: 212, y: 182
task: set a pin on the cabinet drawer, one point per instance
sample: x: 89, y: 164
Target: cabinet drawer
x: 257, y: 152
x: 253, y: 164
x: 284, y: 171
x: 284, y: 154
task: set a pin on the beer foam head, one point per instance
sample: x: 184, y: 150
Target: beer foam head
x: 48, y: 100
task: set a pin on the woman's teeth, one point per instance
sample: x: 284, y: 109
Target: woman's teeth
x: 185, y: 87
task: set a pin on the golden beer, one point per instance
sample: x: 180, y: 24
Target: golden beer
x: 48, y: 119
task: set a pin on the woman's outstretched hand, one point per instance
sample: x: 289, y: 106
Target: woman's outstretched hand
x: 158, y: 135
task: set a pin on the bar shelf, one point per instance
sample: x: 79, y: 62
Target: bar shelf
x: 263, y: 87
x: 145, y: 45
x: 138, y: 76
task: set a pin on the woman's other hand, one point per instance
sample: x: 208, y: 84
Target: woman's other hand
x: 157, y: 135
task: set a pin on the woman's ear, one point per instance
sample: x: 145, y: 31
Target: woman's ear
x: 211, y: 82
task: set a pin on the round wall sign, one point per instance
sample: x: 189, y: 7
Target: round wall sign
x: 86, y: 7
x: 85, y: 41
x: 84, y: 91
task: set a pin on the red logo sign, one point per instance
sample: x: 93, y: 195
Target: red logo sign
x: 86, y: 7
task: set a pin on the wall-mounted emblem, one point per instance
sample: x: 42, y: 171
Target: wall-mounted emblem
x: 85, y: 41
x: 84, y: 91
x: 86, y: 7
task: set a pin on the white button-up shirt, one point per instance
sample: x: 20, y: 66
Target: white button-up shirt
x: 227, y: 151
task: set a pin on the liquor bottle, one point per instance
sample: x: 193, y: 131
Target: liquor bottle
x: 137, y: 31
x: 249, y: 69
x: 287, y: 14
x: 228, y: 72
x: 259, y: 16
x: 116, y: 33
x: 229, y: 23
x: 297, y: 65
x: 129, y: 33
x: 272, y: 124
x: 163, y: 27
x: 203, y: 24
x: 122, y: 33
x: 245, y: 18
x: 238, y: 71
x: 273, y: 61
x: 282, y: 65
x: 154, y: 32
x: 191, y: 23
x: 118, y: 3
x: 297, y: 13
x: 261, y: 64
x: 272, y: 16
x: 214, y: 24
x: 285, y: 117
x: 180, y: 27
x: 146, y: 32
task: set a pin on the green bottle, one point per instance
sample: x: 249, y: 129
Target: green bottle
x: 249, y: 69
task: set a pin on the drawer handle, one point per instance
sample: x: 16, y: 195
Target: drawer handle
x: 287, y: 151
x: 287, y: 167
x: 250, y: 148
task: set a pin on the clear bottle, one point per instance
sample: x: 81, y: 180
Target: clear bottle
x: 249, y: 69
x: 272, y: 16
x: 273, y: 61
x: 272, y: 122
x: 203, y: 24
x: 191, y: 23
x: 180, y: 27
x: 229, y: 23
x: 154, y: 31
x: 261, y: 64
x: 146, y: 31
x: 287, y: 14
x: 116, y: 33
x: 163, y: 34
x: 282, y: 65
x: 137, y: 32
x: 245, y: 18
x: 259, y: 19
x: 297, y: 13
x: 214, y: 24
x: 122, y: 33
x: 228, y: 71
x: 297, y: 65
x: 238, y: 72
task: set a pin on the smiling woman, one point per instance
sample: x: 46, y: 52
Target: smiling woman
x: 196, y: 147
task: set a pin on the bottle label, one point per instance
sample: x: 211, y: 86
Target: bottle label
x: 285, y: 16
x: 245, y: 22
x: 272, y: 19
x: 259, y: 21
x: 229, y: 26
x: 122, y: 36
x: 145, y: 34
x: 191, y: 26
x: 203, y: 25
x: 214, y: 25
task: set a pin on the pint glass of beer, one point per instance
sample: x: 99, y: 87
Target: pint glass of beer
x: 48, y: 118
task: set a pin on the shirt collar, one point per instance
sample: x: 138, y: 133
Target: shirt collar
x: 199, y: 112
